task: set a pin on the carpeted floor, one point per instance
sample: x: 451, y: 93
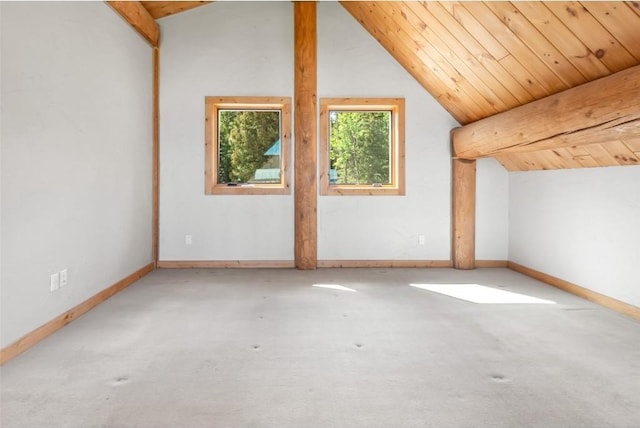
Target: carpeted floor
x: 264, y: 348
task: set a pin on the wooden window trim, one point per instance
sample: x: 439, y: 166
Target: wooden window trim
x: 396, y: 106
x: 212, y: 106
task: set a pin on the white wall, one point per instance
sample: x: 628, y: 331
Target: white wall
x: 580, y: 225
x: 247, y: 49
x: 0, y: 167
x: 492, y: 210
x: 76, y: 156
x: 352, y: 63
x: 225, y: 48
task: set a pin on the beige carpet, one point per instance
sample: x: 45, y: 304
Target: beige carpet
x: 264, y: 348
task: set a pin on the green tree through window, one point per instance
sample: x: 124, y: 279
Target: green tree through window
x: 245, y: 140
x: 360, y: 147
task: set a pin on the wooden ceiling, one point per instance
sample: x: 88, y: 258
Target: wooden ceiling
x: 614, y: 153
x: 482, y: 58
x: 160, y: 9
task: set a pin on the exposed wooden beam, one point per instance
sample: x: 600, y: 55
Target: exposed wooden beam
x: 139, y: 18
x: 156, y: 156
x: 306, y: 139
x: 600, y: 111
x: 464, y: 214
x: 160, y: 9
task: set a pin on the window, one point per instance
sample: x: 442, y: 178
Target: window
x: 362, y: 146
x: 247, y: 145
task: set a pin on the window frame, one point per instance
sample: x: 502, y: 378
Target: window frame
x: 397, y: 161
x: 213, y: 104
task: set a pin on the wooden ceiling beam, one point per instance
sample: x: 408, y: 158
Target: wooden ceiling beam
x: 160, y: 9
x: 139, y: 18
x: 607, y: 109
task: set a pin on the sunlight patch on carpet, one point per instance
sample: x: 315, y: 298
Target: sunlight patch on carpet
x: 481, y: 294
x: 334, y: 287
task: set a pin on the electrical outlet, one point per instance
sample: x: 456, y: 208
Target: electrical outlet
x: 63, y: 278
x: 421, y: 239
x: 187, y: 239
x: 55, y: 281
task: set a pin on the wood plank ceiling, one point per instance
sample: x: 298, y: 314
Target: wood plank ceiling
x: 482, y: 58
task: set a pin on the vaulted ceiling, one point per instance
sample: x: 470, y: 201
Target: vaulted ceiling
x: 482, y: 58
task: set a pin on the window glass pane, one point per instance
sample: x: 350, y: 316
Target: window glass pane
x: 249, y: 146
x: 360, y: 147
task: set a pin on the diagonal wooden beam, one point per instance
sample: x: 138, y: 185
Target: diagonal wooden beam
x: 139, y: 18
x: 160, y: 9
x: 604, y: 110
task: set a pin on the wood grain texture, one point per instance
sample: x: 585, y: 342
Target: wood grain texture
x: 225, y: 264
x: 562, y: 39
x: 535, y: 41
x: 463, y: 214
x: 634, y: 6
x: 419, y: 37
x: 446, y: 39
x: 478, y: 58
x: 139, y: 18
x: 601, y: 299
x: 426, y: 71
x: 30, y: 339
x: 599, y: 39
x: 160, y: 9
x: 604, y: 110
x: 155, y: 220
x: 612, y: 153
x: 306, y: 139
x: 507, y: 68
x: 539, y: 78
x: 489, y: 264
x: 622, y: 24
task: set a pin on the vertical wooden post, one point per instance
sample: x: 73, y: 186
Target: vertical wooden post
x: 464, y: 214
x: 156, y: 156
x: 306, y: 141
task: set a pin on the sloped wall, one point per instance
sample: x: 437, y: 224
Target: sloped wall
x: 76, y: 156
x: 580, y: 225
